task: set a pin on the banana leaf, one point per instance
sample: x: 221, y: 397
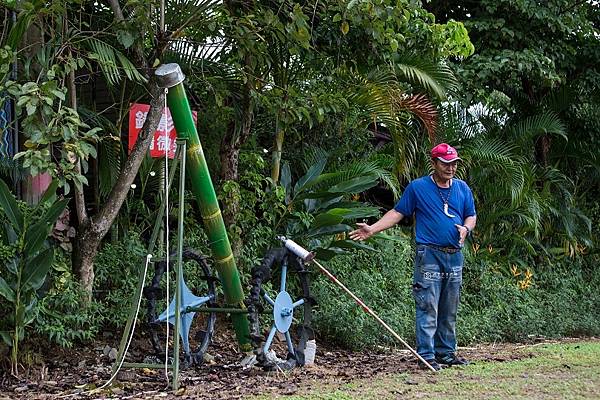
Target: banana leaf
x: 355, y: 185
x: 6, y: 291
x: 328, y: 230
x: 328, y: 253
x: 10, y: 207
x: 35, y: 271
x: 326, y: 219
x: 310, y: 176
x: 37, y: 233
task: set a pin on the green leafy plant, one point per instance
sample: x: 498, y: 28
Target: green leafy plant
x: 26, y: 271
x: 52, y: 127
x: 64, y: 317
x: 320, y: 204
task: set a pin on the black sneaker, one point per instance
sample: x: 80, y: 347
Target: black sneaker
x: 433, y: 364
x: 451, y: 359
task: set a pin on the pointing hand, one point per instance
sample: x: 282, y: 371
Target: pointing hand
x: 363, y: 232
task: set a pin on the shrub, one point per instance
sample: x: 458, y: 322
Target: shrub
x: 382, y: 280
x: 561, y: 301
x: 117, y: 268
x: 64, y: 317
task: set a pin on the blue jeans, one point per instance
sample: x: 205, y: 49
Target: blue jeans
x: 436, y: 288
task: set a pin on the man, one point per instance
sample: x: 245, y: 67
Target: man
x: 445, y: 215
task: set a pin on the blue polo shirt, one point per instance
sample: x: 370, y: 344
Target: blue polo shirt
x: 423, y: 198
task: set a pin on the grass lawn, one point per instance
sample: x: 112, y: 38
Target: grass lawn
x: 549, y: 371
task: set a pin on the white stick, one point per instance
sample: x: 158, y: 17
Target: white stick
x: 372, y: 313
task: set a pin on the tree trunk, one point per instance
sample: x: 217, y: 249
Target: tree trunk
x: 277, y: 152
x: 280, y: 128
x: 92, y: 232
x: 230, y: 157
x: 86, y: 247
x: 542, y: 150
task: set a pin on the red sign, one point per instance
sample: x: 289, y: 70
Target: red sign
x: 165, y: 135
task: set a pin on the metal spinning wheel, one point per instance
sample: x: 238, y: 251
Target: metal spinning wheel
x: 198, y: 333
x: 281, y: 286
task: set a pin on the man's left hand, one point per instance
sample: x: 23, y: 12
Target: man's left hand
x: 462, y: 232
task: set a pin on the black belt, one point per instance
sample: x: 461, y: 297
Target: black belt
x: 450, y: 250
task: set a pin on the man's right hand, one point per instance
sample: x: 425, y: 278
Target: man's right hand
x: 363, y: 232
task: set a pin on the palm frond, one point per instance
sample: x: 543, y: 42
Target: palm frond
x: 110, y: 157
x: 457, y: 123
x: 189, y: 52
x: 181, y: 14
x: 110, y: 151
x: 112, y: 62
x: 436, y: 79
x: 497, y: 155
x: 12, y: 169
x: 560, y: 100
x: 529, y: 128
x: 312, y: 156
x: 420, y: 106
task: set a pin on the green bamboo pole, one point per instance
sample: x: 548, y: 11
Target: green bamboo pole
x: 170, y: 76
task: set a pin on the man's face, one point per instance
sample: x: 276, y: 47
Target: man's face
x: 445, y: 171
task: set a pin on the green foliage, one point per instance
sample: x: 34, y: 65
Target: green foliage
x: 530, y: 83
x: 7, y: 57
x: 561, y: 301
x: 320, y: 204
x: 32, y: 256
x: 261, y: 206
x: 117, y: 267
x: 64, y: 317
x: 143, y: 201
x: 382, y: 279
x: 113, y: 63
x: 49, y: 126
x: 389, y: 29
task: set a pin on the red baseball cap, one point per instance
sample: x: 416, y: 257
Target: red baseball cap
x: 445, y: 153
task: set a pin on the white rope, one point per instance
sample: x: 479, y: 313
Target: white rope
x: 148, y: 257
x: 166, y: 188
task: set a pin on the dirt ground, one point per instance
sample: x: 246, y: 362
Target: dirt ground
x: 72, y: 374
